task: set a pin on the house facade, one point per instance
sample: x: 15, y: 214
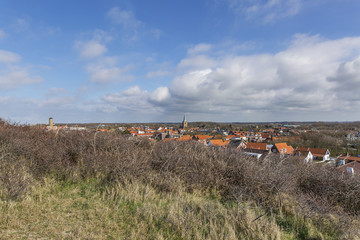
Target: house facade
x: 313, y: 153
x: 282, y: 148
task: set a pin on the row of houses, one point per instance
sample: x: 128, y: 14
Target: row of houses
x: 252, y: 143
x: 348, y: 164
x: 258, y: 149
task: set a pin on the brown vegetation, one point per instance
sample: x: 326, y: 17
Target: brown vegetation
x: 291, y: 192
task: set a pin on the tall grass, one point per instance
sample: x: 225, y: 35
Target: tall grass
x: 78, y: 210
x: 117, y: 187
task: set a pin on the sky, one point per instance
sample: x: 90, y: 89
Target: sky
x: 153, y: 61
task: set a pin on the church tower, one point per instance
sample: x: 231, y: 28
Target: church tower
x: 51, y: 122
x: 184, y: 123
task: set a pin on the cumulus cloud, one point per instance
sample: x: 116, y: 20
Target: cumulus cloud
x: 101, y: 69
x: 131, y: 28
x: 313, y: 76
x: 293, y: 79
x: 2, y: 34
x: 95, y: 47
x: 12, y: 74
x: 347, y: 80
x: 8, y: 57
x: 10, y: 79
x: 20, y: 25
x: 200, y: 48
x: 101, y: 74
x: 197, y: 62
x: 268, y: 10
x: 106, y: 71
x: 132, y: 99
x: 101, y: 36
x: 90, y: 49
x: 160, y: 95
x: 192, y: 82
x: 123, y: 17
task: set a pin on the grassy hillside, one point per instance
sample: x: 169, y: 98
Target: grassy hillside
x: 71, y: 185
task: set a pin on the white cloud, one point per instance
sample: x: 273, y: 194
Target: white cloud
x: 20, y: 25
x: 200, y: 48
x: 15, y: 78
x: 197, y: 62
x: 51, y: 30
x: 102, y: 36
x: 123, y: 17
x: 106, y: 72
x: 57, y: 101
x: 56, y: 91
x: 132, y: 99
x: 5, y: 100
x: 155, y: 74
x: 156, y: 33
x: 2, y: 34
x: 13, y: 75
x: 192, y: 83
x: 160, y: 95
x: 90, y: 49
x: 268, y: 10
x: 8, y: 57
x: 312, y: 78
x: 130, y: 28
x: 347, y: 79
x: 94, y: 48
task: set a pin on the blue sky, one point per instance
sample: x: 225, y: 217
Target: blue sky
x: 153, y: 61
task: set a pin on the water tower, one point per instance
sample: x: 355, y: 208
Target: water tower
x: 51, y: 122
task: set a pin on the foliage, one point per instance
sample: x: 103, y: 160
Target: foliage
x: 110, y: 186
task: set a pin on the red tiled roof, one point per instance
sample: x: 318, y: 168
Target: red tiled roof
x: 268, y: 130
x: 355, y: 165
x: 144, y: 134
x: 265, y: 135
x: 317, y: 152
x: 102, y: 130
x: 185, y: 138
x: 256, y: 146
x: 219, y: 142
x: 350, y: 158
x: 203, y: 137
x: 284, y: 148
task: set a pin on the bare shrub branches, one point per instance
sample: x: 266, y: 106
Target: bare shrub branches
x: 28, y: 153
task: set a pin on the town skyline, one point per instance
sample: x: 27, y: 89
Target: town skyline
x: 215, y: 60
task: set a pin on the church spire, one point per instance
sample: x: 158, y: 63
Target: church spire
x: 184, y: 123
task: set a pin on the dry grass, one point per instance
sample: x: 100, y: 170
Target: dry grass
x: 78, y: 185
x: 127, y: 211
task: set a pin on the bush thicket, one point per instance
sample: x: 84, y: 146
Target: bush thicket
x: 290, y: 191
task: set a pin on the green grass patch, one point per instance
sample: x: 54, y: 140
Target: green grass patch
x: 81, y: 210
